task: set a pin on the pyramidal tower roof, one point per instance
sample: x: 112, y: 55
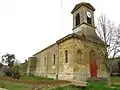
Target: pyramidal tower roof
x: 77, y: 6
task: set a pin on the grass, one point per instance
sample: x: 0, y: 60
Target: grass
x: 26, y: 83
x: 70, y: 87
x: 91, y: 86
x: 36, y: 78
x: 115, y: 80
x: 101, y: 86
x: 12, y: 86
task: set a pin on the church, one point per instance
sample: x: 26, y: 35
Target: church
x: 77, y: 56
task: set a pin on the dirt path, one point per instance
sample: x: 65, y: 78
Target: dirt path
x: 36, y: 82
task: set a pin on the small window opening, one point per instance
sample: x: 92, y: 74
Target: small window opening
x: 54, y: 59
x: 66, y: 56
x: 77, y: 19
x: 89, y: 20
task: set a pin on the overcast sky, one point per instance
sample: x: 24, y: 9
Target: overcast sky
x: 28, y: 26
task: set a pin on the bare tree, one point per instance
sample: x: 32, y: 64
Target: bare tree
x: 110, y: 35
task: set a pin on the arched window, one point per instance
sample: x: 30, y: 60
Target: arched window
x: 66, y: 56
x: 89, y: 20
x: 54, y: 59
x: 77, y: 19
x: 45, y: 61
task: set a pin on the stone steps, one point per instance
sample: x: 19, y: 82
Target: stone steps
x: 79, y: 83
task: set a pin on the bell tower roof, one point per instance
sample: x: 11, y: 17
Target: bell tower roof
x: 88, y: 5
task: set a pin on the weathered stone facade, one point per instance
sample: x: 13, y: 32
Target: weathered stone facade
x: 45, y: 65
x: 31, y: 65
x: 73, y: 56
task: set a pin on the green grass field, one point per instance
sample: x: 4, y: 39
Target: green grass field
x: 95, y: 86
x: 91, y: 86
x: 11, y: 85
x: 27, y: 83
x: 15, y: 85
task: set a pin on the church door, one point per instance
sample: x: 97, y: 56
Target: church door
x: 93, y: 65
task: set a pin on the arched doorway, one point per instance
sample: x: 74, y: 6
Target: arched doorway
x: 93, y: 64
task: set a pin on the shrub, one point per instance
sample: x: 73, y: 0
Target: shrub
x: 31, y: 75
x: 16, y: 75
x: 8, y: 73
x: 16, y: 71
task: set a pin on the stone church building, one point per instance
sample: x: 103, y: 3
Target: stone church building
x: 77, y: 56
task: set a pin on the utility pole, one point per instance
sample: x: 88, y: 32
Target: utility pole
x: 61, y: 3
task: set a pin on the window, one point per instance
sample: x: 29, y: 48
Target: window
x: 53, y: 59
x: 45, y: 61
x: 77, y: 19
x: 66, y: 56
x: 89, y: 20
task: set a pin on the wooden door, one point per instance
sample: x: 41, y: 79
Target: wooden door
x: 93, y: 64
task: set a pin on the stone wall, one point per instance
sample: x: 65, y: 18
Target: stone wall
x: 47, y: 67
x: 66, y: 69
x: 32, y: 62
x: 81, y: 60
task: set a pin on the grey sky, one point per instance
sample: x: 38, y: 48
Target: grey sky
x: 27, y: 26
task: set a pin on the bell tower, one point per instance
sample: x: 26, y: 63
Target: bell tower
x: 83, y: 19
